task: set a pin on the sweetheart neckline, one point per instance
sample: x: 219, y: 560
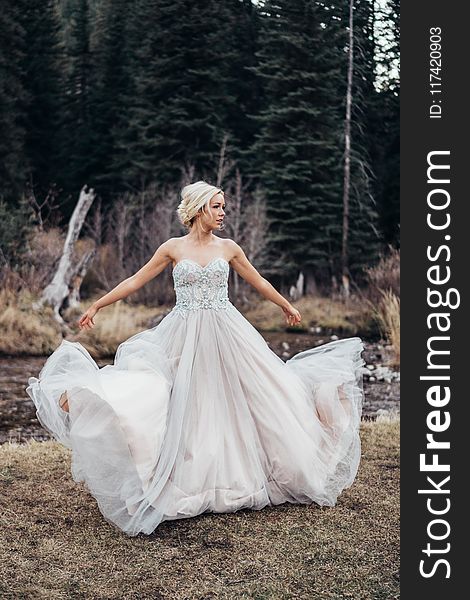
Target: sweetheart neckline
x: 199, y: 265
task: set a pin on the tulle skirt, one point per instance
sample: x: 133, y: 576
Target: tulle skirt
x: 198, y: 414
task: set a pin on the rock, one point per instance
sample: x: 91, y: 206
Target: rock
x: 285, y: 345
x: 370, y: 367
x: 382, y: 412
x: 371, y: 378
x: 386, y: 374
x: 334, y: 337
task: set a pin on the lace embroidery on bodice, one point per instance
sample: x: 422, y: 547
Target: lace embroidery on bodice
x: 200, y: 287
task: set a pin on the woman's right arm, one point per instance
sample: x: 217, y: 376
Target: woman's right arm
x: 151, y: 269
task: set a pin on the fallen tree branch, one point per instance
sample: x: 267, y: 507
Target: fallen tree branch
x: 60, y: 287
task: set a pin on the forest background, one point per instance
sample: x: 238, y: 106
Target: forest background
x: 292, y: 107
x: 135, y: 98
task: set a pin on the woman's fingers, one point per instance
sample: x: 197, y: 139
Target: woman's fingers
x: 293, y: 319
x: 85, y: 322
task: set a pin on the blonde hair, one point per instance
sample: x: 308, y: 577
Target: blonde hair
x: 194, y: 197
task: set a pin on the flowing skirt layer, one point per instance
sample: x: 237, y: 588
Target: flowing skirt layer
x: 198, y: 414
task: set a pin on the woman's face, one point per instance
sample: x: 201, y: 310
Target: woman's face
x: 214, y: 215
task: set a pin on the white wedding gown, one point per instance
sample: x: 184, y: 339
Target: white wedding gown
x: 199, y: 414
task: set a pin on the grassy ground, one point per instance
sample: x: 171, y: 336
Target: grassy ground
x: 346, y: 317
x: 34, y: 332
x: 55, y: 544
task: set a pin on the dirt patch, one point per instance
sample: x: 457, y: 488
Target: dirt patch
x: 55, y: 544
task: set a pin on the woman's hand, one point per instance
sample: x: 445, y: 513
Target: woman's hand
x: 292, y: 315
x: 86, y: 320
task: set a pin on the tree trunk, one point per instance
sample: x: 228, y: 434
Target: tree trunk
x: 82, y: 268
x: 310, y: 287
x: 347, y: 159
x: 59, y: 289
x: 296, y: 291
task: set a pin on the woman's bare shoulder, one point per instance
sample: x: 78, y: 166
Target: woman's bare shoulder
x: 173, y: 243
x: 176, y: 240
x: 231, y: 249
x: 231, y: 245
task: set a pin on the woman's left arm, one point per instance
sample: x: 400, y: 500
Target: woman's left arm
x: 245, y: 269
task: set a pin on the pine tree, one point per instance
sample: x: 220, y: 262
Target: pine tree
x: 13, y: 102
x: 241, y: 35
x: 77, y: 150
x: 108, y: 46
x: 364, y: 241
x: 185, y: 71
x: 42, y: 67
x: 385, y: 130
x: 298, y: 146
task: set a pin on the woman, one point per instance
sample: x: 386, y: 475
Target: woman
x: 198, y: 414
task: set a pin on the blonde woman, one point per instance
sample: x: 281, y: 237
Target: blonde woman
x: 197, y: 414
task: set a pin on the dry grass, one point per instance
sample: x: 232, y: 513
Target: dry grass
x: 24, y: 331
x: 35, y: 332
x: 387, y: 313
x: 113, y: 324
x: 346, y: 317
x: 385, y: 275
x: 56, y: 545
x: 383, y: 299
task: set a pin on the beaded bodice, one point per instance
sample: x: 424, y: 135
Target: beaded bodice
x: 200, y: 287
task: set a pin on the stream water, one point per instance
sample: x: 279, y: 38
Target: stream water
x: 18, y: 421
